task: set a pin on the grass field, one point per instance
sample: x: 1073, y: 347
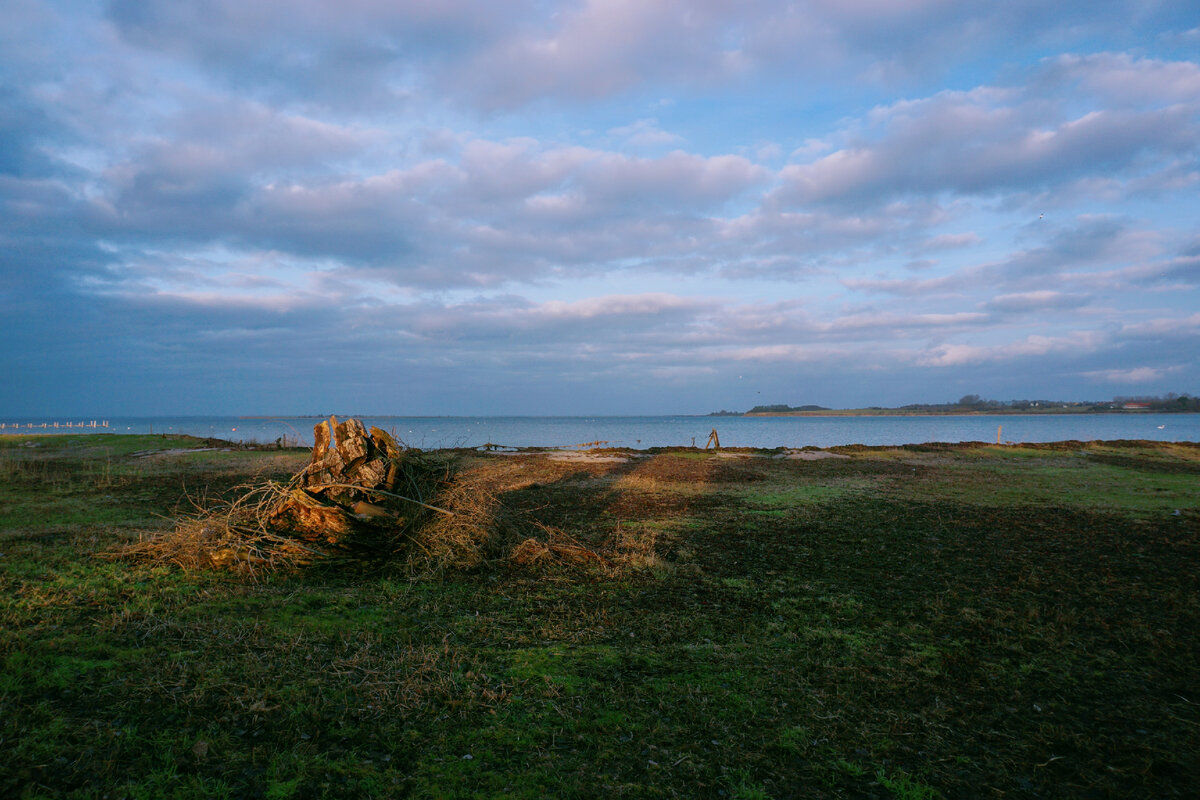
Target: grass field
x: 935, y: 621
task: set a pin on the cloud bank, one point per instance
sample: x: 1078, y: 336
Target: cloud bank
x: 593, y: 207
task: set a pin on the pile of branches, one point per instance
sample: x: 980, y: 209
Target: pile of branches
x: 362, y: 496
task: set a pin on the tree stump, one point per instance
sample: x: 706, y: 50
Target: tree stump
x: 334, y: 498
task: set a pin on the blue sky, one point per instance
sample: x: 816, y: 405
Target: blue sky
x: 604, y: 207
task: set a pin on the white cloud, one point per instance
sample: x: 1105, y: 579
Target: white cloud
x: 1076, y: 344
x: 619, y: 305
x: 1123, y: 78
x: 950, y: 241
x: 1133, y: 375
x: 645, y: 133
x: 991, y: 138
x: 1041, y: 300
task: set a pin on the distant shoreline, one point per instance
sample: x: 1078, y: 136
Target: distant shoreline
x: 897, y: 412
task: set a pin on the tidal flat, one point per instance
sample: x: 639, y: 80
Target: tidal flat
x: 956, y: 621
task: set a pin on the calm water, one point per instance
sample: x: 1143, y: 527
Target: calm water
x: 642, y: 432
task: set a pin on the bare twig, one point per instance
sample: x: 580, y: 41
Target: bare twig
x: 378, y: 491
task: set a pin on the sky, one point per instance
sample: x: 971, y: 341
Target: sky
x: 461, y: 207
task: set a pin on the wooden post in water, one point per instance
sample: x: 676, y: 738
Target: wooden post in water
x: 998, y: 429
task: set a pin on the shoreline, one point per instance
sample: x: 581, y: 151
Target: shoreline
x: 811, y: 428
x: 601, y: 448
x: 886, y: 412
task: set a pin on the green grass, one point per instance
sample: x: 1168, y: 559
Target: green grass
x: 1080, y: 483
x: 931, y: 622
x: 795, y: 495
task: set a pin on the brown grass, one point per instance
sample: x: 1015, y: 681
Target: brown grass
x: 255, y: 528
x: 485, y: 529
x: 227, y: 533
x: 260, y: 527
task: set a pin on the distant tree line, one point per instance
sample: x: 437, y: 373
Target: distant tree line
x: 973, y: 402
x: 1168, y: 402
x: 777, y: 409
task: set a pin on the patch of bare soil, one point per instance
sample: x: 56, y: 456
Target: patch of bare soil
x: 587, y: 456
x: 810, y: 455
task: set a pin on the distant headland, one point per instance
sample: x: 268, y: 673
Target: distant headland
x: 974, y: 404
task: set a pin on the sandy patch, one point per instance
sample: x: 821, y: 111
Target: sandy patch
x: 177, y: 451
x: 591, y: 458
x: 810, y: 455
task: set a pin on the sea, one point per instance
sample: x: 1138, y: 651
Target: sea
x: 657, y: 431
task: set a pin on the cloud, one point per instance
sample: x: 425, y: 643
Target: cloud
x: 1185, y: 269
x: 958, y: 355
x: 1163, y: 328
x: 949, y: 241
x: 767, y: 243
x: 1076, y: 253
x: 984, y: 141
x: 497, y: 211
x: 620, y: 305
x: 25, y: 130
x: 1123, y: 78
x: 509, y: 195
x: 599, y: 48
x: 336, y: 55
x: 505, y: 56
x: 645, y: 133
x: 1042, y: 300
x: 1134, y: 375
x: 682, y: 179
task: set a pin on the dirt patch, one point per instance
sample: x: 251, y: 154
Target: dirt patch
x: 810, y: 455
x: 177, y: 451
x: 587, y: 457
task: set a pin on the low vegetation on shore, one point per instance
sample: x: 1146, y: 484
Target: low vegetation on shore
x: 910, y: 622
x: 974, y: 404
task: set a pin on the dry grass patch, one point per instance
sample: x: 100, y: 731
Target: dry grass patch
x: 266, y: 525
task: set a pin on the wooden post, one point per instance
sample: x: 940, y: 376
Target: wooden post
x: 998, y: 429
x: 714, y: 440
